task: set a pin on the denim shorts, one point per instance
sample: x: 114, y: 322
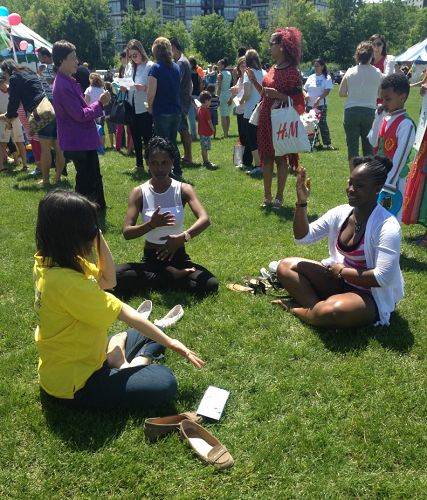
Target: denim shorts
x: 205, y: 142
x: 49, y: 131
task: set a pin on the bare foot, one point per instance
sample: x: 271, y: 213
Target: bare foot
x: 140, y: 361
x: 178, y: 274
x: 116, y: 350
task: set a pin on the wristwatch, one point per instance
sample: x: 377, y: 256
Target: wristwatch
x: 187, y: 236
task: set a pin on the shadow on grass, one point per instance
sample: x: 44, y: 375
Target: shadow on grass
x: 397, y: 337
x: 93, y: 429
x: 38, y: 188
x: 411, y: 264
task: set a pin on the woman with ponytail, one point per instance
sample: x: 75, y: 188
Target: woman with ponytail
x: 360, y: 283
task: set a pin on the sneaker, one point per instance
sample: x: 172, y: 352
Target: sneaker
x: 266, y: 204
x: 209, y: 165
x: 144, y: 309
x: 255, y: 172
x: 35, y: 173
x: 277, y: 204
x: 329, y: 147
x: 241, y: 166
x: 174, y: 315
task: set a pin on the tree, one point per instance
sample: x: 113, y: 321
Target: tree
x: 178, y: 30
x: 311, y: 23
x: 418, y: 32
x: 145, y: 27
x: 246, y: 30
x: 212, y: 37
x: 342, y: 34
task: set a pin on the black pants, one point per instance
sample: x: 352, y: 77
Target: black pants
x: 88, y: 177
x: 141, y: 129
x: 151, y: 273
x: 247, y: 153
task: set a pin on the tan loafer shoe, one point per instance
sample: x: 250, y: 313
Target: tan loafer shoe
x: 156, y: 427
x: 206, y: 446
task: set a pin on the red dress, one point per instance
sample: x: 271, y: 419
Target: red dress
x: 287, y: 81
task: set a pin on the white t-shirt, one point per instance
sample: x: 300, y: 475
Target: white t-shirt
x: 94, y: 93
x: 315, y: 86
x: 255, y: 96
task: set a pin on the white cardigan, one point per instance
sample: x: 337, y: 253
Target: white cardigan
x: 382, y: 252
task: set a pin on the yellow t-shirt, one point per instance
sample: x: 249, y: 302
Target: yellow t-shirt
x: 74, y: 315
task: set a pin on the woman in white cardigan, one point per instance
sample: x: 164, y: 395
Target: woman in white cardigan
x: 361, y: 282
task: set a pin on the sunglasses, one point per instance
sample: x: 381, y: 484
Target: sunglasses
x: 378, y: 44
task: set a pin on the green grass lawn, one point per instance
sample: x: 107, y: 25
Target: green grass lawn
x: 312, y: 414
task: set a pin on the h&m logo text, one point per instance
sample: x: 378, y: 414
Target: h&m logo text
x: 284, y: 131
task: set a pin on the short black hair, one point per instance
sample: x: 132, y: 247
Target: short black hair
x: 160, y: 144
x: 241, y: 51
x: 61, y: 50
x: 44, y: 52
x: 211, y: 88
x: 67, y: 224
x: 174, y: 42
x: 377, y: 167
x: 204, y: 96
x: 399, y: 83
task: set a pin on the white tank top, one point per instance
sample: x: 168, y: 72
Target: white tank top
x: 170, y: 201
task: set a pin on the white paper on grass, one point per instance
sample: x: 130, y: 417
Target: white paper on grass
x: 213, y: 402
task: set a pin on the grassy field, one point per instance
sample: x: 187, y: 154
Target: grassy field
x: 312, y: 413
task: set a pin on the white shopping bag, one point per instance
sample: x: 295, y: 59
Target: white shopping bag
x: 289, y: 135
x: 238, y: 151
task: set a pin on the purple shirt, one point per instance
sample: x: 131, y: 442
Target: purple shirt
x: 74, y: 118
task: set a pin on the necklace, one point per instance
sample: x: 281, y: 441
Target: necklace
x: 357, y: 226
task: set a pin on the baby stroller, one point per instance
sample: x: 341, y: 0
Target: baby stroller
x: 311, y: 121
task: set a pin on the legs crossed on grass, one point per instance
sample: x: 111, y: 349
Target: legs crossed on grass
x: 320, y: 297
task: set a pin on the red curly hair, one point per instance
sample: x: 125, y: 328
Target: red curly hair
x: 291, y: 42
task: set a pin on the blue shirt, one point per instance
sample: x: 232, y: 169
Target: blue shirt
x: 166, y: 100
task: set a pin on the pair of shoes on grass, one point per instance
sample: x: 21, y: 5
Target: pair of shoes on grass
x: 174, y: 315
x: 206, y: 446
x: 209, y: 165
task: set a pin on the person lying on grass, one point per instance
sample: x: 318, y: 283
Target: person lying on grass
x: 160, y: 201
x: 74, y: 313
x: 361, y: 282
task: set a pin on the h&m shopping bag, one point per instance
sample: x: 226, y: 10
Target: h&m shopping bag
x: 289, y: 135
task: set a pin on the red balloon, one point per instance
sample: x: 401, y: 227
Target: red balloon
x: 14, y: 19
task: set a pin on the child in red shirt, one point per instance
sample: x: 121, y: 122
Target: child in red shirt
x: 205, y: 128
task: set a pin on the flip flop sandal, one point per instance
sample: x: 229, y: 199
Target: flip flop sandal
x: 235, y: 287
x: 256, y: 285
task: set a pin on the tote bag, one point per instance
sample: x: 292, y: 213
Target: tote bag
x: 254, y: 119
x: 121, y: 110
x: 41, y: 116
x: 289, y: 135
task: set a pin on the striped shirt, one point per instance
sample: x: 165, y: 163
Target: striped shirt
x: 354, y: 256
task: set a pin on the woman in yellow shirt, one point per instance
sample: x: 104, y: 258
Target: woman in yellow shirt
x: 75, y: 312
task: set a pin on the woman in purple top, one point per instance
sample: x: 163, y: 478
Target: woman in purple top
x: 77, y: 133
x: 163, y: 96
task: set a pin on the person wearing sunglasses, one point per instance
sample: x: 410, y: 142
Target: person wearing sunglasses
x: 380, y: 59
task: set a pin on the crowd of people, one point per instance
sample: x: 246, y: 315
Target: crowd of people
x: 358, y: 284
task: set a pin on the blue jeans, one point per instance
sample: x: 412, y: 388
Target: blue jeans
x: 140, y: 387
x: 167, y: 126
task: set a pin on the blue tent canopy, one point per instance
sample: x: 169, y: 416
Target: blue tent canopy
x: 417, y: 53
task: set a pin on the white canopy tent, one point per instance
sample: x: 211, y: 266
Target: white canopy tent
x: 25, y: 32
x: 416, y: 54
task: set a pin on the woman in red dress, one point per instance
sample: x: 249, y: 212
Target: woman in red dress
x: 282, y: 81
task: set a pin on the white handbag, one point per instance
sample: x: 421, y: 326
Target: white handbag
x: 289, y: 135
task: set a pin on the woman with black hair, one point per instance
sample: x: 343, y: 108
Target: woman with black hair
x: 78, y: 364
x: 26, y: 87
x: 316, y: 89
x: 160, y: 201
x: 380, y: 59
x: 361, y: 282
x: 77, y: 132
x: 163, y: 96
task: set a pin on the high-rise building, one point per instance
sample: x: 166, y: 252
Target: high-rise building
x: 416, y: 3
x: 185, y: 10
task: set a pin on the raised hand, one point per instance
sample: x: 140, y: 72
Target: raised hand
x: 165, y: 219
x: 303, y: 185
